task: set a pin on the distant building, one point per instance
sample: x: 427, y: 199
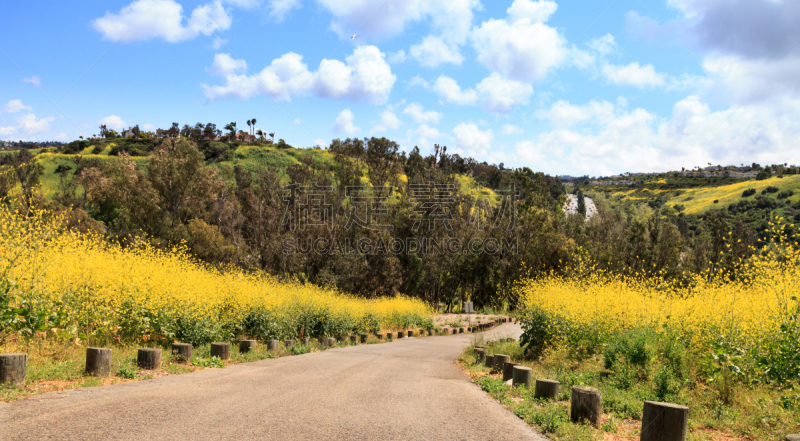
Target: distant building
x: 126, y: 133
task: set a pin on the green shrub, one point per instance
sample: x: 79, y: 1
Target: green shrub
x: 213, y: 362
x: 127, y: 372
x: 539, y: 332
x: 748, y: 192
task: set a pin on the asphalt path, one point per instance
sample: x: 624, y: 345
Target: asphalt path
x: 410, y: 389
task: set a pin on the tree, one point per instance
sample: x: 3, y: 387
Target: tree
x: 175, y: 131
x: 135, y: 130
x: 103, y: 131
x: 210, y: 131
x: 249, y: 125
x: 231, y: 128
x: 581, y: 203
x: 383, y: 161
x: 253, y: 132
x: 260, y: 134
x: 272, y: 135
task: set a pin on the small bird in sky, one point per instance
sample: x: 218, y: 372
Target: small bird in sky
x: 354, y: 36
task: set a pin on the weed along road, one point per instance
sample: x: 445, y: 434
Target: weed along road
x: 410, y: 389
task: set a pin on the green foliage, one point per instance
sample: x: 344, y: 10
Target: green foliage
x: 300, y: 349
x: 539, y: 332
x: 213, y: 362
x: 780, y: 362
x: 748, y: 192
x: 629, y: 355
x: 127, y: 372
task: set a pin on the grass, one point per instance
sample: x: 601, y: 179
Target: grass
x: 56, y: 367
x: 756, y: 413
x: 701, y: 199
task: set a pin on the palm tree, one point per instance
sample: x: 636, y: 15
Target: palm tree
x: 254, y: 126
x: 272, y: 135
x: 231, y: 128
x: 249, y: 125
x: 260, y: 134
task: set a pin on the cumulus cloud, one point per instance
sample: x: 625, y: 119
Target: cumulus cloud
x: 520, y: 48
x: 15, y: 106
x: 113, y: 122
x: 434, y: 51
x: 472, y: 141
x: 499, y: 94
x: 344, y: 123
x: 418, y: 81
x: 614, y: 139
x: 425, y: 135
x: 388, y: 121
x: 364, y: 76
x: 535, y: 11
x: 420, y: 115
x: 449, y: 90
x: 279, y: 9
x: 27, y: 126
x: 397, y: 57
x: 634, y: 75
x: 146, y: 19
x: 603, y: 45
x: 510, y: 129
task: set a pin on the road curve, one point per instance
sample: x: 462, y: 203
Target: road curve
x: 406, y: 390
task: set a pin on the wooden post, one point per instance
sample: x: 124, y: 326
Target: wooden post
x: 508, y: 370
x: 489, y: 361
x: 246, y: 346
x: 353, y: 339
x: 401, y: 334
x: 445, y: 330
x: 288, y: 343
x: 479, y: 354
x: 546, y: 389
x: 13, y: 368
x: 421, y: 333
x: 586, y: 405
x: 364, y: 338
x: 521, y: 375
x: 460, y: 330
x: 410, y: 333
x: 455, y: 331
x: 272, y: 345
x: 389, y: 336
x: 380, y: 336
x: 306, y: 341
x: 664, y: 422
x: 499, y: 360
x: 149, y: 359
x: 323, y: 341
x: 182, y: 351
x: 98, y: 362
x: 221, y: 350
x: 331, y: 341
x: 430, y: 332
x: 341, y: 338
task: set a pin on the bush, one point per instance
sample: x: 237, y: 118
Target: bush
x: 785, y: 194
x: 679, y: 207
x: 716, y: 201
x: 770, y: 189
x: 631, y: 353
x: 539, y: 332
x: 748, y: 192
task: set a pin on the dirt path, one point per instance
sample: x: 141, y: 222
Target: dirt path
x: 405, y: 390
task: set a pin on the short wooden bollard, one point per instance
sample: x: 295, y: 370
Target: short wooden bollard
x: 499, y: 361
x: 182, y: 351
x: 410, y: 334
x: 13, y: 368
x: 455, y: 331
x: 546, y: 389
x: 364, y: 338
x: 508, y: 370
x: 389, y: 336
x: 221, y: 350
x: 489, y: 361
x: 331, y: 341
x: 430, y: 332
x: 460, y: 330
x: 246, y: 346
x: 98, y: 362
x: 664, y: 422
x: 421, y: 333
x: 288, y: 343
x: 521, y: 375
x: 479, y: 354
x: 306, y: 341
x: 341, y: 338
x: 380, y: 336
x: 445, y: 330
x: 323, y: 341
x: 272, y: 345
x: 149, y: 359
x: 586, y: 405
x: 401, y: 334
x: 353, y: 339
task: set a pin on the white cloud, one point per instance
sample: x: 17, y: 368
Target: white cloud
x: 426, y: 135
x: 751, y: 81
x: 538, y: 11
x: 396, y: 57
x: 278, y: 9
x: 113, y: 122
x: 420, y: 115
x: 634, y: 75
x: 344, y: 123
x: 320, y: 143
x: 499, y: 94
x: 26, y: 126
x: 388, y: 121
x: 218, y: 43
x: 364, y: 77
x: 146, y: 19
x: 451, y: 92
x: 148, y: 127
x: 15, y: 106
x: 36, y: 81
x: 603, y: 45
x: 472, y: 141
x: 521, y: 50
x: 510, y: 129
x: 418, y: 81
x: 562, y: 114
x: 434, y: 51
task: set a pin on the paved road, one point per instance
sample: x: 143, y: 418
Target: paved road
x: 406, y: 390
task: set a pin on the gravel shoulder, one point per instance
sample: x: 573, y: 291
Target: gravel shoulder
x: 408, y: 389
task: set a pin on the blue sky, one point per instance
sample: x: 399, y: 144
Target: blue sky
x: 565, y: 87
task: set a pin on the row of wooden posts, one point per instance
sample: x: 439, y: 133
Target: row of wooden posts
x: 13, y: 367
x: 660, y: 421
